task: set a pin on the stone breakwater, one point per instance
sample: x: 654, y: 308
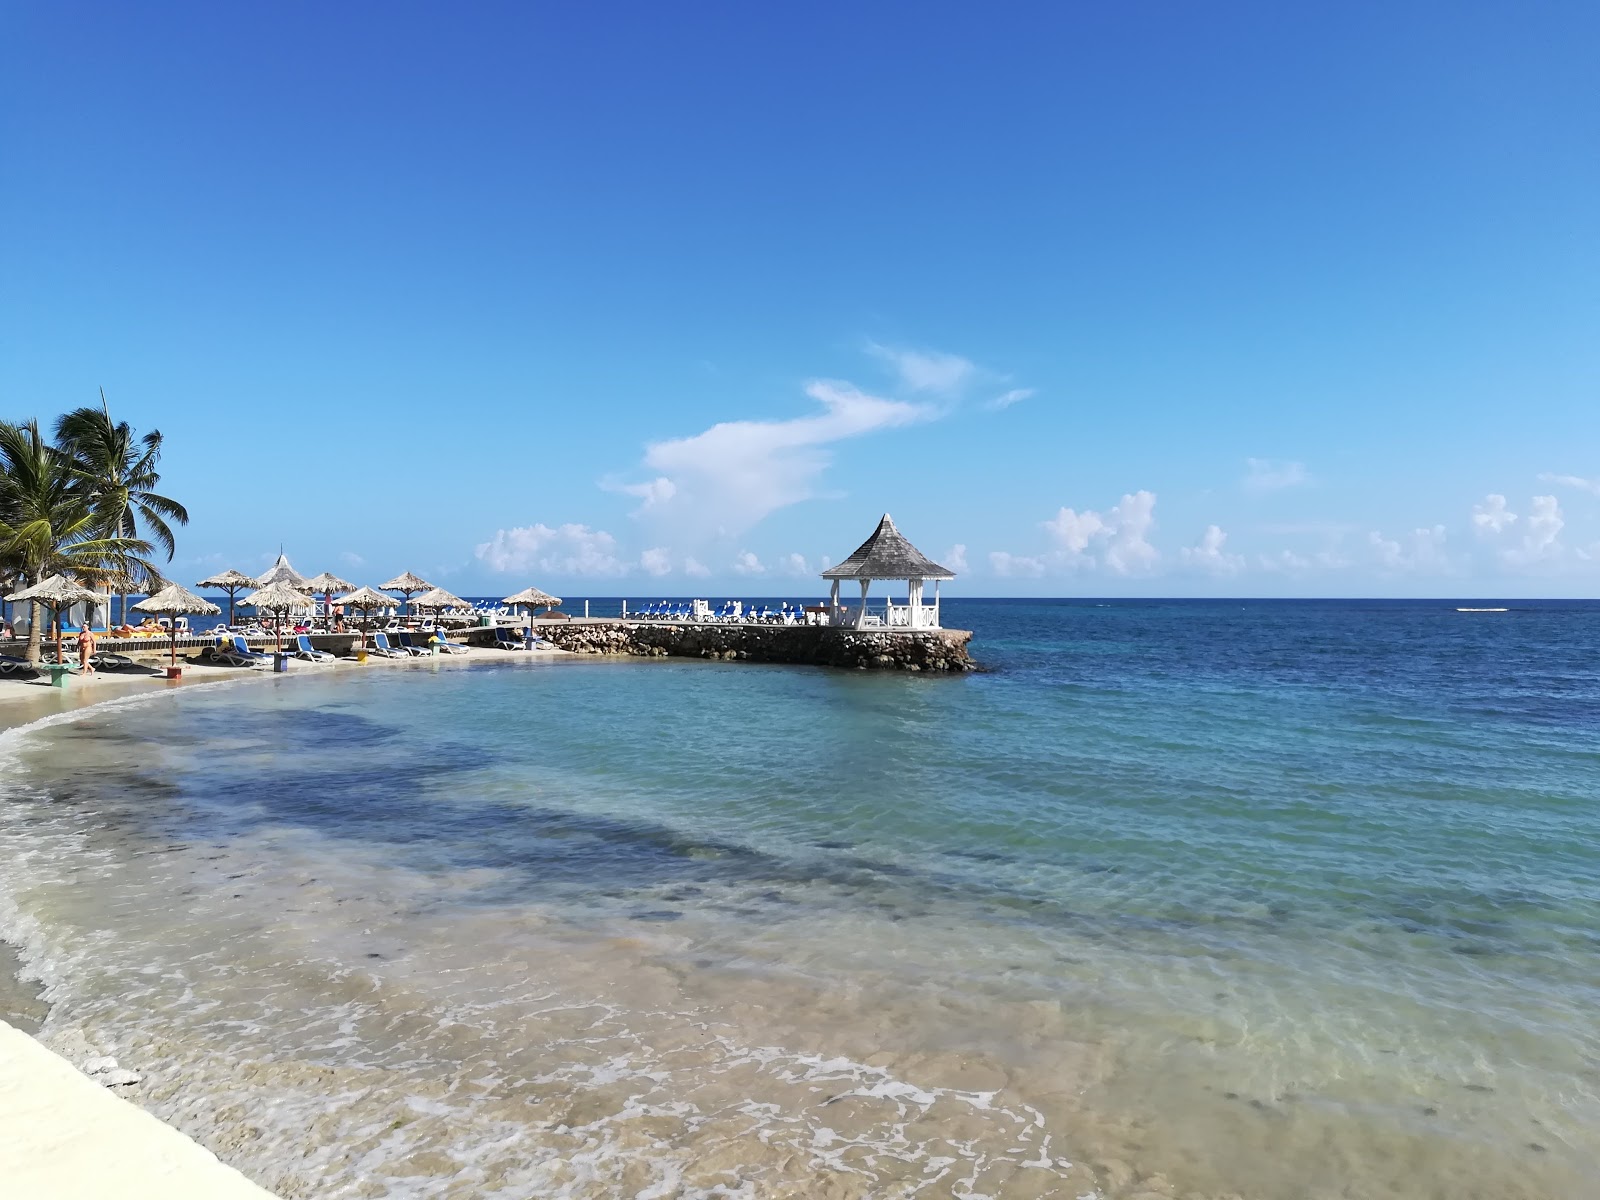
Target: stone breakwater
x: 812, y: 645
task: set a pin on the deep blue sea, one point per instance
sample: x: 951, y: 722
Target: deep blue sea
x: 1175, y: 898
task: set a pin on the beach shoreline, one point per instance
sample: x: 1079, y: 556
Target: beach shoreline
x: 70, y: 1134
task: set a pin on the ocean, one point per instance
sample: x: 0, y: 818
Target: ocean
x: 1188, y: 899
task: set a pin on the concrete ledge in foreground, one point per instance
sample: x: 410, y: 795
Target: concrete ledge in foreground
x: 65, y: 1137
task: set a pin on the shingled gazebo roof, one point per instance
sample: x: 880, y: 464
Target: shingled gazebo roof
x: 887, y: 555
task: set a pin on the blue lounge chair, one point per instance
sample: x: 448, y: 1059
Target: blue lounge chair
x: 508, y: 639
x: 235, y: 652
x: 446, y: 646
x: 408, y: 644
x: 381, y: 646
x: 304, y: 649
x: 11, y: 665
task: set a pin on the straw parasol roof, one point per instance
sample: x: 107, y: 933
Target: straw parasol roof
x: 58, y: 592
x: 228, y: 580
x: 437, y: 598
x: 887, y: 555
x: 327, y: 583
x: 366, y: 598
x: 171, y: 601
x: 174, y: 600
x: 406, y: 583
x: 276, y: 597
x: 533, y: 598
x: 282, y: 572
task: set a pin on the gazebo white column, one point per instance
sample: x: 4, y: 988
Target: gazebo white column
x: 936, y: 619
x: 914, y: 599
x: 861, y: 617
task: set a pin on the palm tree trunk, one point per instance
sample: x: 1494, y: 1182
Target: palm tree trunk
x: 35, y: 656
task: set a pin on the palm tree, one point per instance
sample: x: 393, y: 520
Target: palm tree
x: 49, y: 523
x: 119, y: 471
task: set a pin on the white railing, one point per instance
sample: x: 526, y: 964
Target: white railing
x: 885, y: 614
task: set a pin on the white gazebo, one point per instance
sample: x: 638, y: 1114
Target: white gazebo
x: 887, y: 555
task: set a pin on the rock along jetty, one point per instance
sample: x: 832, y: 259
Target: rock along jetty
x: 815, y: 645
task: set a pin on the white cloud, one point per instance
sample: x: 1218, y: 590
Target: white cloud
x: 1540, y: 539
x: 569, y: 550
x: 1074, y: 530
x: 1540, y: 530
x: 656, y: 561
x: 1271, y: 474
x: 748, y: 564
x: 1120, y: 535
x: 729, y: 477
x: 651, y: 493
x: 793, y: 564
x: 1015, y: 564
x: 1572, y: 481
x: 927, y: 370
x: 1492, y: 517
x: 351, y: 559
x: 956, y: 559
x: 1289, y: 562
x: 1007, y: 399
x: 694, y: 568
x: 1422, y: 550
x: 1210, y: 556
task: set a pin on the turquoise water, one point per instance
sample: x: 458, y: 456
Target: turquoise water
x: 1261, y: 899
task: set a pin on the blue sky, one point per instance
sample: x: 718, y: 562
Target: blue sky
x: 1170, y: 299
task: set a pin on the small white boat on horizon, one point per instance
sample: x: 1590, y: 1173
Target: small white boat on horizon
x: 1483, y: 610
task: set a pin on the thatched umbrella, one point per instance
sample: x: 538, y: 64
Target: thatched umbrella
x: 327, y: 583
x: 364, y: 600
x: 175, y: 601
x: 438, y: 598
x: 277, y: 599
x: 406, y: 584
x: 282, y: 572
x: 56, y: 593
x: 229, y: 581
x: 532, y: 598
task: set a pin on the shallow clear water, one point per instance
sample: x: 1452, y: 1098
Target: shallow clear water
x: 1267, y: 899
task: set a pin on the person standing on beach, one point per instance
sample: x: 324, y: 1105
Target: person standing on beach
x: 86, y: 649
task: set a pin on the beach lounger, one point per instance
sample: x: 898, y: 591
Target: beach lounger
x: 11, y: 665
x: 509, y: 639
x: 381, y: 647
x: 446, y: 646
x: 408, y: 642
x: 235, y: 652
x: 105, y: 660
x: 304, y: 649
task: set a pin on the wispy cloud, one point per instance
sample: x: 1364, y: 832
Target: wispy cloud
x: 1008, y: 565
x: 1591, y: 486
x: 728, y: 478
x: 566, y: 550
x: 748, y: 564
x: 1420, y: 550
x: 656, y: 561
x: 929, y: 371
x: 956, y: 559
x: 1272, y: 474
x: 1007, y: 399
